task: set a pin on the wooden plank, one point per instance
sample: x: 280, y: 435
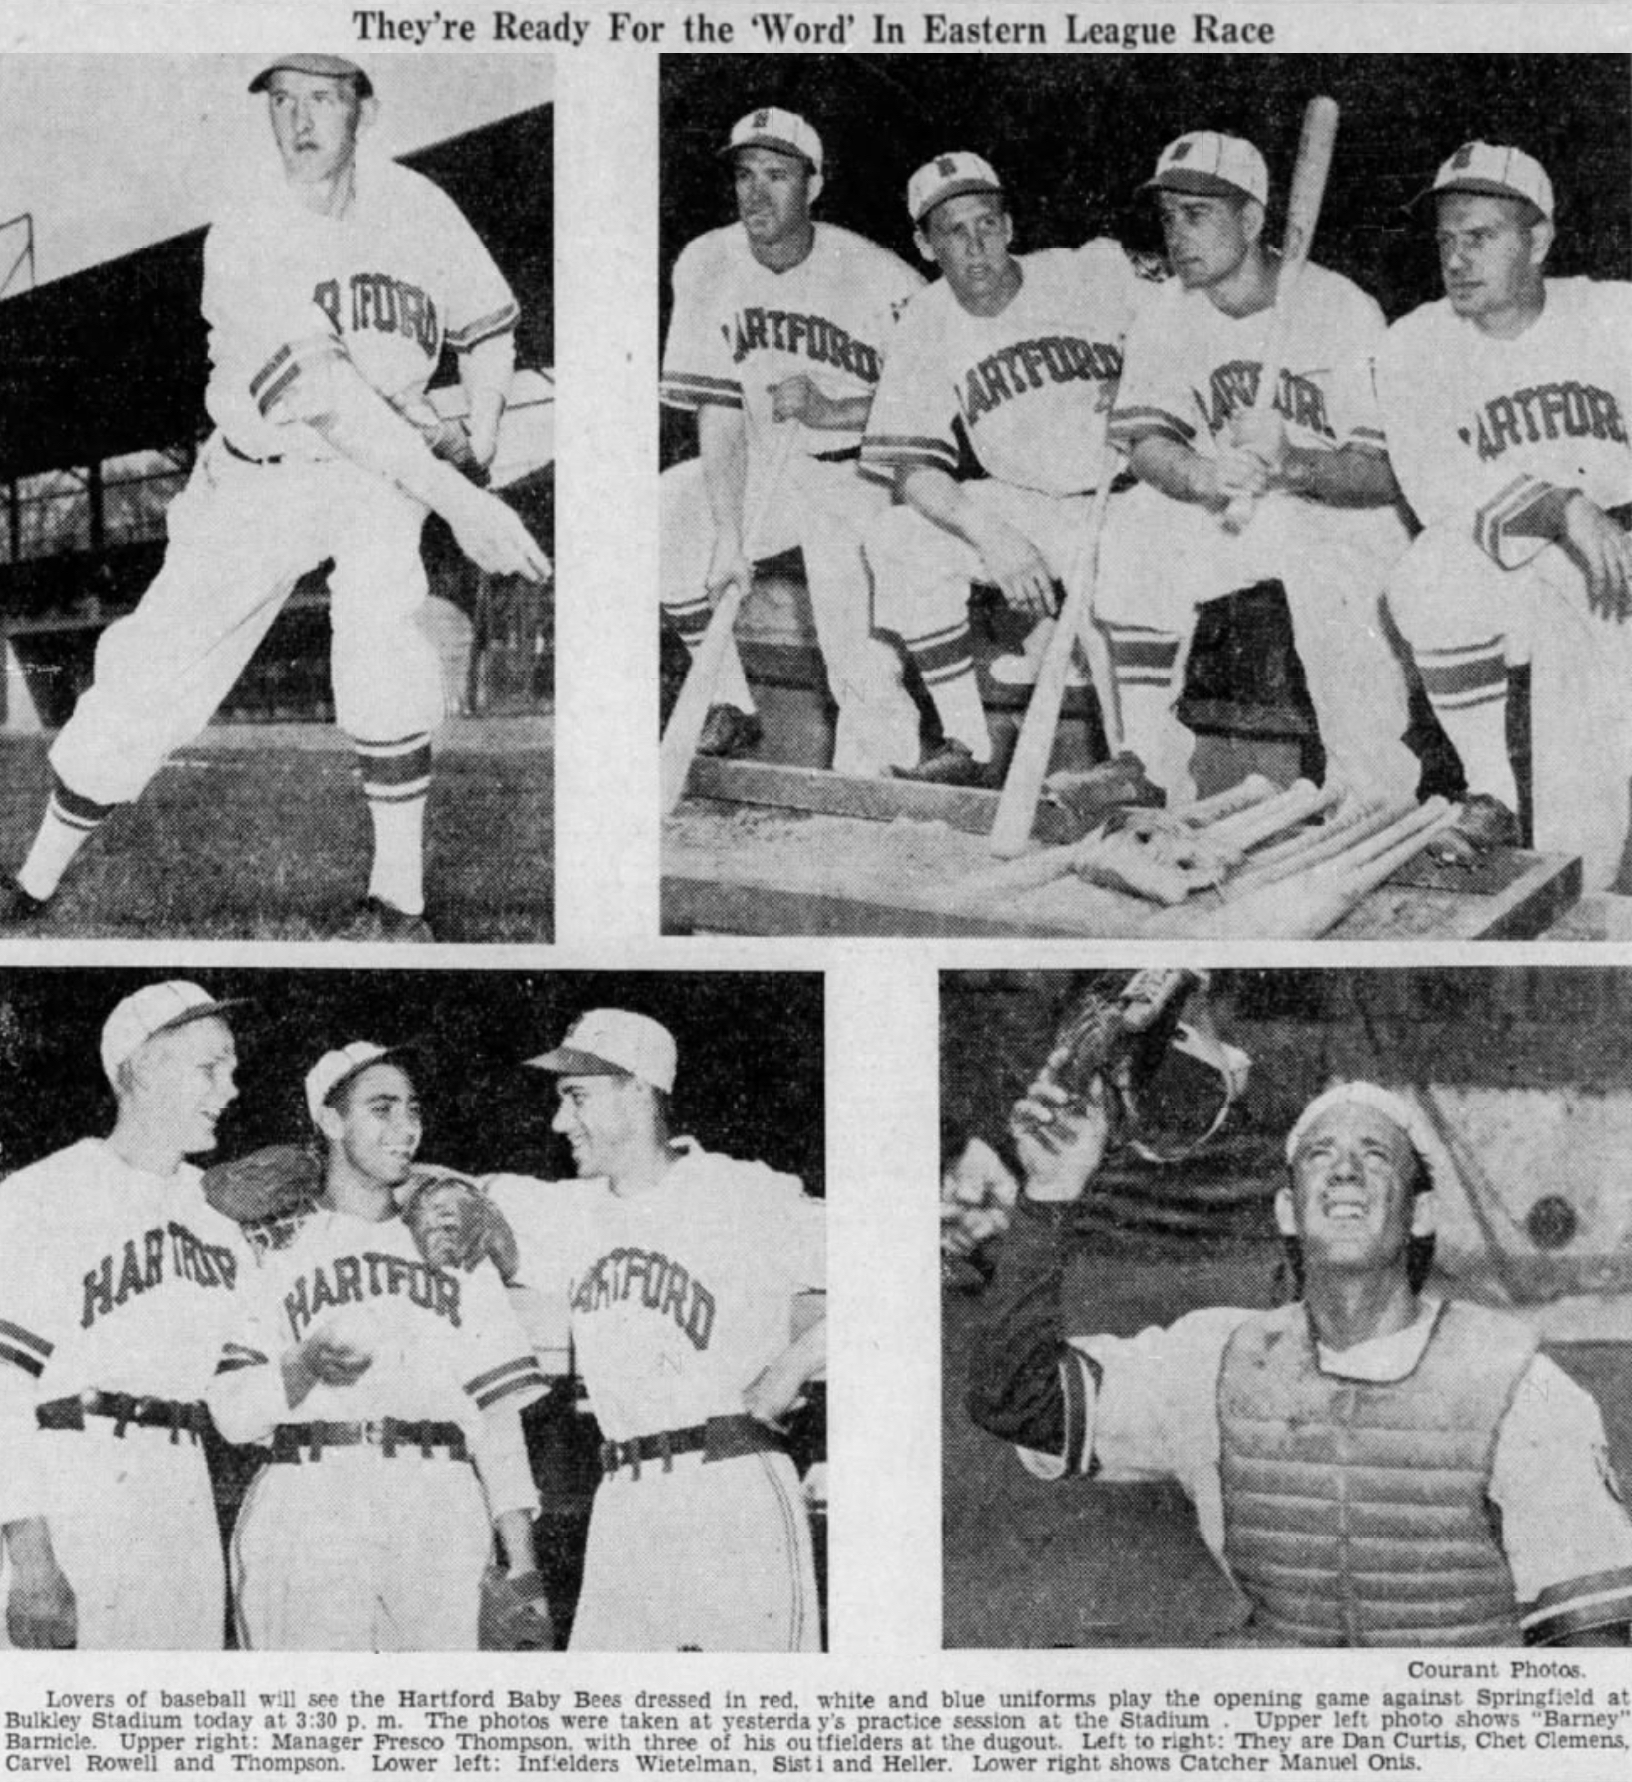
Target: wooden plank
x: 1488, y: 876
x: 693, y: 905
x: 821, y: 792
x: 1549, y: 885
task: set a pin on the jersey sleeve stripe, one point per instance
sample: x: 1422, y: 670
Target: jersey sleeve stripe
x: 1129, y: 425
x: 887, y: 454
x: 1602, y: 1600
x: 493, y: 1375
x: 522, y: 1375
x: 686, y: 391
x: 1491, y: 520
x: 488, y: 327
x: 238, y: 1355
x: 289, y: 363
x: 17, y: 1334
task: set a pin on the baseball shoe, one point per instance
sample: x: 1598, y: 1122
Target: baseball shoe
x: 376, y: 920
x: 952, y: 764
x: 728, y: 731
x: 1485, y: 823
x: 19, y: 908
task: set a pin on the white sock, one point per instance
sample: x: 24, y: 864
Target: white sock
x: 397, y: 782
x: 963, y: 717
x: 1478, y: 733
x: 69, y: 822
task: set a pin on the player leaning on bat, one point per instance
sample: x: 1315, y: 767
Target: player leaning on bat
x: 1371, y: 1465
x: 1505, y: 405
x: 1312, y: 491
x: 330, y: 294
x: 1019, y: 352
x: 780, y: 325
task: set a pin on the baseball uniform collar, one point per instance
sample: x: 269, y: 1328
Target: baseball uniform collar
x: 1384, y: 1360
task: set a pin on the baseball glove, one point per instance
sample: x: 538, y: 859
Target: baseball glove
x: 447, y: 437
x: 456, y: 1225
x: 278, y: 1182
x: 515, y: 1615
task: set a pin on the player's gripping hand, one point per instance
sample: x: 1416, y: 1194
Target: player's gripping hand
x: 492, y: 535
x: 800, y: 398
x: 1604, y: 552
x: 322, y: 1359
x: 773, y: 1395
x: 1017, y: 566
x: 728, y: 567
x: 41, y: 1614
x: 1060, y: 1138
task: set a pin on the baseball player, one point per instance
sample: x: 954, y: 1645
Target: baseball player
x: 779, y: 329
x: 1372, y: 1466
x: 388, y: 1390
x: 1323, y: 522
x: 122, y: 1287
x: 1505, y: 404
x: 679, y: 1267
x: 329, y: 298
x: 1019, y: 353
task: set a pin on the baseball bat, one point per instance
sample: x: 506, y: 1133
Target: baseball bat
x: 684, y: 729
x: 1017, y: 804
x: 1253, y: 790
x: 1315, y: 145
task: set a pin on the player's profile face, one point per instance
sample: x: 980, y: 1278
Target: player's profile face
x: 315, y: 120
x: 378, y: 1124
x: 600, y: 1117
x: 1352, y: 1199
x: 968, y: 238
x: 186, y: 1079
x: 1489, y: 255
x: 773, y: 195
x: 1207, y: 237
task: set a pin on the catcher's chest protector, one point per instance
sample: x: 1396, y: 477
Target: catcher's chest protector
x: 1357, y: 1514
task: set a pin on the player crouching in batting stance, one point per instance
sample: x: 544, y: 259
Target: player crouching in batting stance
x: 1021, y: 353
x: 1310, y: 465
x: 1505, y: 405
x: 329, y: 298
x: 679, y: 1268
x: 778, y: 332
x: 122, y: 1294
x: 388, y: 1388
x: 1372, y: 1466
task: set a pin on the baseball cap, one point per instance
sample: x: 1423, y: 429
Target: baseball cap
x: 1402, y: 1113
x: 154, y: 1009
x: 1498, y: 172
x: 949, y: 176
x: 614, y: 1043
x: 773, y: 128
x: 332, y: 66
x: 338, y: 1067
x: 1212, y: 165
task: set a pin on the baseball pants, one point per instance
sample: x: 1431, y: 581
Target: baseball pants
x: 1160, y: 559
x: 357, y: 1553
x: 1467, y: 620
x: 240, y: 536
x: 710, y: 1556
x: 823, y: 510
x: 138, y: 1540
x: 923, y: 575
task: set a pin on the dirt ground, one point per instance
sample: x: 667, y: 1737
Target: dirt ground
x: 1029, y: 1564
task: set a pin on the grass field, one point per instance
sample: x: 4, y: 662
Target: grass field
x: 260, y: 833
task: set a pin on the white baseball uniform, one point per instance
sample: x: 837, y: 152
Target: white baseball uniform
x: 1154, y: 1414
x: 1190, y: 368
x: 679, y: 1298
x: 346, y: 1546
x: 1029, y: 389
x: 386, y: 285
x: 1487, y: 436
x: 739, y: 329
x: 118, y: 1282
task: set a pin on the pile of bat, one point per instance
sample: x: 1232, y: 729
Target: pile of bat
x: 1254, y: 861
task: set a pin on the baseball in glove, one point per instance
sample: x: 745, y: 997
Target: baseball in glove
x: 277, y: 1185
x: 447, y: 437
x: 456, y: 1225
x: 515, y: 1615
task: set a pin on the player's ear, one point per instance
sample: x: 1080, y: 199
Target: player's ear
x: 925, y: 251
x: 1423, y: 1221
x: 1252, y: 219
x: 330, y: 1123
x: 1541, y: 241
x: 1286, y: 1219
x: 367, y: 112
x: 813, y: 188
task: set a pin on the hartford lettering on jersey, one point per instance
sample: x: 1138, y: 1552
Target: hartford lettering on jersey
x: 374, y: 302
x: 1234, y: 387
x: 1032, y: 364
x: 350, y: 1280
x: 760, y: 330
x: 1569, y: 410
x: 660, y: 1284
x: 146, y: 1261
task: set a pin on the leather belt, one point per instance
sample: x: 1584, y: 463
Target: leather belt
x: 850, y: 455
x: 245, y: 458
x: 124, y: 1409
x: 294, y: 1442
x: 720, y: 1438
